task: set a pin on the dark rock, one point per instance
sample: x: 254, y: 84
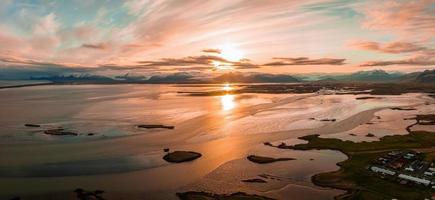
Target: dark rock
x: 151, y: 126
x: 181, y: 156
x: 352, y: 134
x: 267, y: 144
x: 282, y: 145
x: 254, y: 180
x: 312, y: 118
x: 166, y: 149
x: 59, y: 131
x: 91, y: 134
x: 16, y: 198
x: 328, y: 120
x: 88, y: 195
x: 32, y: 125
x: 210, y: 196
x: 363, y: 98
x: 406, y: 109
x: 370, y: 135
x: 264, y: 160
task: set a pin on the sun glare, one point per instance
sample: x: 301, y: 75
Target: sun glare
x: 222, y: 66
x: 231, y: 53
x: 227, y: 87
x: 227, y: 102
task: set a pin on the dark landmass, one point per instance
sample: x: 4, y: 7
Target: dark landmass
x: 375, y: 76
x: 349, y: 88
x: 254, y: 180
x: 255, y: 78
x: 211, y: 196
x: 24, y: 85
x: 370, y: 135
x: 363, y: 98
x: 32, y: 125
x: 181, y: 156
x: 427, y: 76
x: 328, y: 120
x: 151, y: 126
x: 365, y: 76
x: 265, y: 160
x: 380, y: 76
x: 406, y: 109
x: 428, y: 119
x: 353, y: 176
x: 89, y: 195
x: 59, y: 131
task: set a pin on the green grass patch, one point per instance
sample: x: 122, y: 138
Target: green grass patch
x: 353, y: 175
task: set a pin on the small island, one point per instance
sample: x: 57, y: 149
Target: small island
x: 181, y: 156
x: 265, y: 160
x: 59, y: 131
x: 254, y: 180
x: 152, y: 126
x: 32, y: 125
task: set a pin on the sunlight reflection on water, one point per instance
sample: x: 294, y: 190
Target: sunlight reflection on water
x: 227, y: 102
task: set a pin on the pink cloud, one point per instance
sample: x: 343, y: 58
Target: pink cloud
x: 410, y: 18
x: 391, y: 47
x: 284, y: 61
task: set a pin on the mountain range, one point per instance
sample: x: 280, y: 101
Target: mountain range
x: 427, y: 76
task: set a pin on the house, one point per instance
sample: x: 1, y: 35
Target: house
x: 414, y: 179
x: 381, y: 170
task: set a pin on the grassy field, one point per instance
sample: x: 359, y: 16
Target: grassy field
x: 353, y: 175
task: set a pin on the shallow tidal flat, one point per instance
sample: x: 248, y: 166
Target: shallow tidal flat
x: 127, y: 162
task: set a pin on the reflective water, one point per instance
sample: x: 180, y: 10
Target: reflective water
x: 126, y: 161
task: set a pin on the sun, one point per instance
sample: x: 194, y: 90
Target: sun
x: 231, y: 53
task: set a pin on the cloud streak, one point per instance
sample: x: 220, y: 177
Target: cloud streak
x: 392, y: 47
x: 410, y: 18
x: 399, y: 62
x: 287, y: 61
x: 216, y: 51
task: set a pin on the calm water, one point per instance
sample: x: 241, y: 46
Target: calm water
x: 106, y: 110
x: 126, y: 161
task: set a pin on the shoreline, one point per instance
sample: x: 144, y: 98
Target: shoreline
x: 340, y: 179
x: 137, y: 144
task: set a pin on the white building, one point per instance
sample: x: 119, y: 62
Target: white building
x: 414, y: 179
x: 381, y: 170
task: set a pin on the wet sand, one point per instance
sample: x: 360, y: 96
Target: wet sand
x: 141, y: 170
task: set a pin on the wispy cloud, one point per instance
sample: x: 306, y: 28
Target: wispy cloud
x: 217, y: 51
x: 205, y: 60
x: 391, y: 47
x: 405, y: 18
x: 418, y: 61
x: 284, y: 61
x: 415, y: 53
x: 95, y: 46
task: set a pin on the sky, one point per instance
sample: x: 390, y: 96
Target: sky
x: 212, y: 37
